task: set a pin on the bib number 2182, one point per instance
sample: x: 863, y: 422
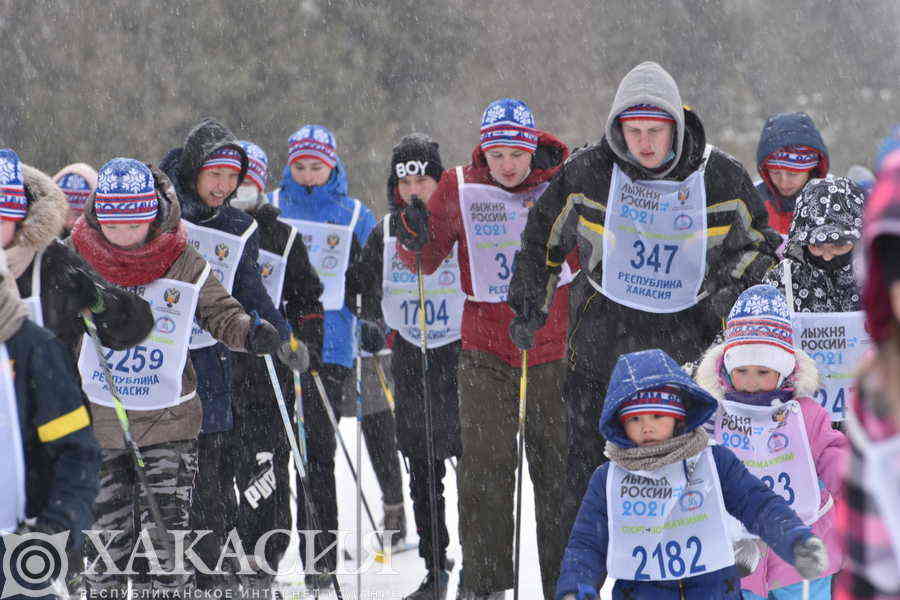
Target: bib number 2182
x: 669, y: 556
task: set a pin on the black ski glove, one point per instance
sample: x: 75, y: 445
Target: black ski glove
x: 522, y: 330
x: 411, y: 224
x: 263, y: 338
x: 296, y: 360
x: 371, y: 337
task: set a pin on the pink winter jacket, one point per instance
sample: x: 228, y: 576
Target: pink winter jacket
x: 830, y: 449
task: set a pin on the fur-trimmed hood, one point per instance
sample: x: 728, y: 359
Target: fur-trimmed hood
x: 47, y: 211
x: 85, y: 170
x: 711, y: 376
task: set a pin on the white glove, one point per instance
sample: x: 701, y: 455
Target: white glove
x: 746, y: 556
x: 810, y: 558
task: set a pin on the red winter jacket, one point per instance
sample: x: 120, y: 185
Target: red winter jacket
x: 485, y: 324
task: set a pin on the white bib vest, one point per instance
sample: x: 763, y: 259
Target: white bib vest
x: 654, y: 244
x: 773, y: 445
x: 33, y: 302
x: 837, y: 341
x: 444, y: 300
x: 494, y: 220
x: 328, y: 246
x: 664, y: 524
x: 223, y: 252
x: 273, y: 268
x: 12, y: 454
x: 148, y: 376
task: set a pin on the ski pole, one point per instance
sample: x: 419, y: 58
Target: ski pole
x: 298, y: 404
x: 520, y: 471
x: 806, y: 589
x: 299, y: 462
x: 122, y: 416
x: 429, y: 425
x: 330, y: 412
x: 386, y: 390
x: 359, y: 416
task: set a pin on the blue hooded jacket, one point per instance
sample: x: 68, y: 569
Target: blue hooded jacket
x: 762, y: 512
x: 329, y: 203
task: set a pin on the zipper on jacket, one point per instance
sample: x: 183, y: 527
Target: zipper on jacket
x: 681, y: 590
x: 571, y: 337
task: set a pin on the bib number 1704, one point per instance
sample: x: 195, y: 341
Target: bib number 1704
x: 668, y: 559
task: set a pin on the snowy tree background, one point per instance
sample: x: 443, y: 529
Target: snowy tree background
x: 88, y: 81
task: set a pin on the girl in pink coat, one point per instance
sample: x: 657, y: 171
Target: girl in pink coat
x: 767, y: 416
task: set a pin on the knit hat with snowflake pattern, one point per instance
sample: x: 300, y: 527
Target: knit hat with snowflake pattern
x: 125, y: 193
x: 13, y: 202
x: 508, y: 122
x: 258, y: 168
x: 759, y: 332
x: 313, y: 141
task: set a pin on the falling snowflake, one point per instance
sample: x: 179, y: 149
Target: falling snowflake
x: 493, y: 114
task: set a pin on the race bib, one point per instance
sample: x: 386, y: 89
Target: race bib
x: 148, y: 376
x: 494, y: 220
x: 773, y: 445
x: 223, y: 252
x: 444, y: 301
x: 273, y: 267
x: 654, y: 244
x: 12, y: 456
x: 666, y: 524
x: 328, y: 246
x: 837, y: 341
x: 33, y: 302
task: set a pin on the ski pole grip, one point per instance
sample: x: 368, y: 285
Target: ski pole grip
x: 294, y: 343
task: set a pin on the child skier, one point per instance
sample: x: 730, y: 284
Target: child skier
x: 77, y: 181
x: 764, y: 385
x: 655, y: 516
x: 132, y: 234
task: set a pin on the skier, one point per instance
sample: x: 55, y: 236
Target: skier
x: 260, y: 453
x: 764, y: 384
x: 790, y: 153
x: 313, y: 198
x: 77, y: 181
x: 868, y: 521
x: 817, y: 277
x: 482, y: 207
x: 206, y: 172
x: 675, y: 547
x: 390, y: 293
x: 689, y: 235
x: 132, y: 234
x: 50, y: 456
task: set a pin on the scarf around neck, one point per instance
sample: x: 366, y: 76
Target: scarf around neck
x: 651, y: 458
x: 12, y: 310
x: 127, y: 268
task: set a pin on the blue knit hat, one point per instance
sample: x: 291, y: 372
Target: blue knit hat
x: 126, y: 193
x: 76, y: 188
x: 13, y: 202
x: 508, y: 122
x: 759, y: 331
x: 313, y: 141
x: 258, y: 168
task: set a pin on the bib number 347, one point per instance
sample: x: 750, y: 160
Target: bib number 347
x: 668, y: 560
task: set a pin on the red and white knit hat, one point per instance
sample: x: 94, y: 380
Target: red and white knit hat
x: 797, y: 159
x: 663, y: 400
x: 646, y: 112
x: 759, y: 332
x: 226, y: 157
x: 13, y: 201
x: 126, y: 193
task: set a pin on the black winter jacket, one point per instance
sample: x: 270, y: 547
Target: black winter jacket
x: 572, y: 211
x: 213, y: 364
x: 62, y: 457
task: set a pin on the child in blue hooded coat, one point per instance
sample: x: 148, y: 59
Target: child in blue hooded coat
x: 654, y: 517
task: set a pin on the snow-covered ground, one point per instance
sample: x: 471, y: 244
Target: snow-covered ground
x: 409, y: 566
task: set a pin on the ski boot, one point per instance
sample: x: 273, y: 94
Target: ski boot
x: 395, y: 520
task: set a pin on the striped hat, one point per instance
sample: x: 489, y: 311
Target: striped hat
x: 13, y: 202
x: 510, y: 123
x: 125, y: 193
x: 76, y: 188
x: 646, y: 112
x: 759, y: 332
x: 313, y: 141
x: 663, y: 400
x: 258, y: 167
x: 798, y: 159
x: 226, y: 157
